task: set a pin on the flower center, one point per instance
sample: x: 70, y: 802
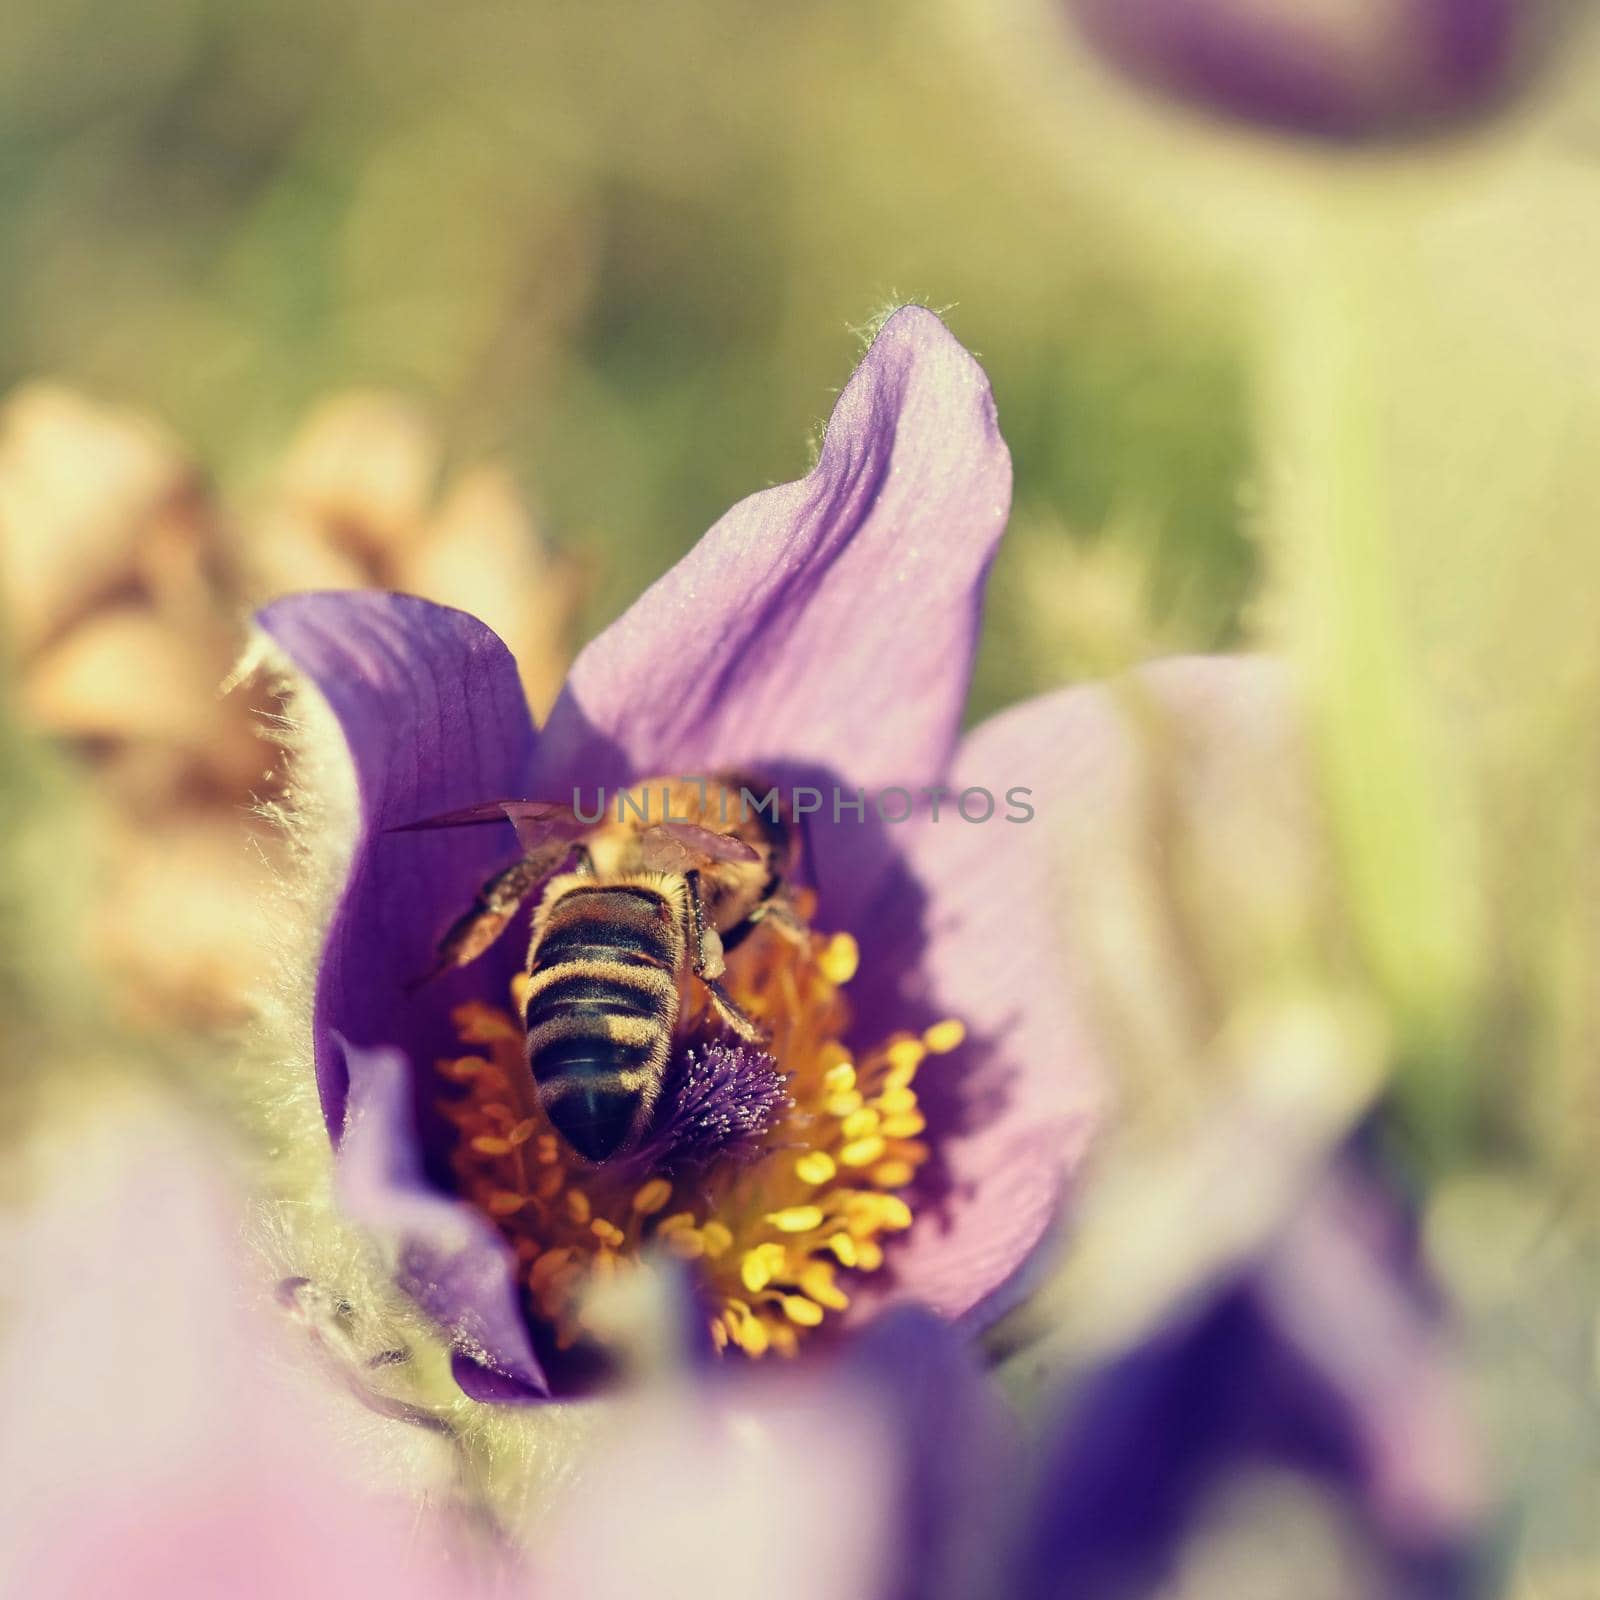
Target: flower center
x: 794, y: 1197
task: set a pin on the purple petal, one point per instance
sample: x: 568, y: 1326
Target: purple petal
x: 451, y: 1261
x: 1012, y: 1111
x: 1324, y: 1357
x: 431, y: 709
x: 827, y: 624
x: 959, y: 1450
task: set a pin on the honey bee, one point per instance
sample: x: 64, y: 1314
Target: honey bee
x: 632, y: 909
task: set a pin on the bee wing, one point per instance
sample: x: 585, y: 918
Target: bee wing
x: 669, y: 845
x: 537, y: 822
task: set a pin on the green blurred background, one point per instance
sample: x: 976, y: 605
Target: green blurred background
x: 625, y: 245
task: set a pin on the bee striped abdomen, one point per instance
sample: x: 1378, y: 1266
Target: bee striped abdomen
x: 601, y: 1007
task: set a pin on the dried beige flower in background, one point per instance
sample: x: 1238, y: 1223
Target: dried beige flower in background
x: 124, y: 584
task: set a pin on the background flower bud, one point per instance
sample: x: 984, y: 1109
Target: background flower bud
x: 1332, y: 69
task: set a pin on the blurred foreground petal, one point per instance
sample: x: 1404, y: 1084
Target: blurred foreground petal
x: 159, y: 1444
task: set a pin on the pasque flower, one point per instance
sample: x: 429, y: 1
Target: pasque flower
x: 935, y: 1084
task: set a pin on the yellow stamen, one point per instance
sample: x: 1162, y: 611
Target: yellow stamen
x: 844, y: 1247
x: 839, y: 959
x: 943, y: 1037
x: 761, y: 1266
x: 905, y: 1126
x: 798, y: 1309
x: 859, y: 1123
x: 861, y: 1152
x: 652, y: 1196
x: 687, y: 1244
x: 815, y: 1166
x: 796, y: 1219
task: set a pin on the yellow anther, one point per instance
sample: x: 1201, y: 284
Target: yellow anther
x: 678, y: 1219
x: 907, y: 1125
x: 650, y: 1197
x: 817, y: 1281
x: 860, y: 1123
x: 840, y: 1078
x: 898, y: 1078
x: 718, y: 1239
x: 489, y: 1144
x: 869, y: 1255
x: 503, y: 1203
x: 807, y: 1313
x: 752, y: 1335
x: 578, y: 1207
x: 523, y: 1131
x: 761, y: 1265
x: 892, y: 1102
x: 796, y: 1219
x: 839, y: 959
x: 685, y: 1243
x: 943, y: 1037
x: 815, y: 1166
x: 482, y: 1024
x: 607, y: 1232
x: 843, y: 1105
x: 843, y: 1246
x: 784, y: 1339
x: 893, y: 1174
x: 894, y: 1212
x: 905, y: 1053
x: 861, y: 1152
x: 547, y: 1266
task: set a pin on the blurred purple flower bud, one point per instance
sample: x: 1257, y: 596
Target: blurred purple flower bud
x: 1347, y: 70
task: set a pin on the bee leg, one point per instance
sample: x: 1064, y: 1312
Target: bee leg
x: 705, y: 946
x: 497, y: 902
x: 777, y: 914
x: 734, y: 1019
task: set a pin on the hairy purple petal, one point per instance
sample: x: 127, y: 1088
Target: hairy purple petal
x: 450, y: 1258
x: 1324, y: 1356
x: 1011, y: 1112
x: 434, y: 717
x: 824, y: 625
